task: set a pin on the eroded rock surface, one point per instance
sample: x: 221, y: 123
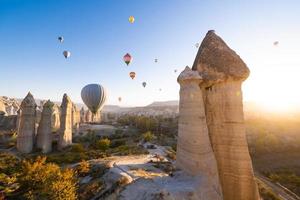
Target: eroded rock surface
x: 223, y: 72
x: 26, y: 129
x: 44, y: 133
x: 194, y: 152
x: 65, y: 135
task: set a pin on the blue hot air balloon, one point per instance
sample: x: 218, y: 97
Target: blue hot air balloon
x: 93, y: 96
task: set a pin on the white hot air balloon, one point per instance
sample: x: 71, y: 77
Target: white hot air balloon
x: 67, y: 54
x: 94, y: 97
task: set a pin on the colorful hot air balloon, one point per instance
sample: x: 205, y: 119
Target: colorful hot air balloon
x: 93, y: 96
x: 67, y: 54
x: 275, y: 43
x: 144, y: 84
x: 132, y: 75
x: 127, y: 58
x: 131, y: 19
x: 120, y: 99
x: 60, y: 39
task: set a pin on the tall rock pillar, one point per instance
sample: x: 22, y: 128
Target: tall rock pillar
x: 65, y: 132
x: 26, y: 124
x: 223, y: 72
x: 44, y: 133
x: 194, y: 151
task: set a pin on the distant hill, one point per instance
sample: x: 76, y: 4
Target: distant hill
x: 164, y: 103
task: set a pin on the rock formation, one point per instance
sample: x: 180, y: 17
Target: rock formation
x: 2, y: 108
x: 194, y: 151
x: 88, y: 116
x: 82, y: 115
x: 65, y: 135
x: 44, y: 133
x: 55, y: 120
x: 26, y: 129
x: 223, y: 72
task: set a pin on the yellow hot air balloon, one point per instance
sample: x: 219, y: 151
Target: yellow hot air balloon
x: 131, y: 19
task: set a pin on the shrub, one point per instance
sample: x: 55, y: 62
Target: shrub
x: 83, y: 168
x: 40, y: 180
x: 148, y: 136
x: 77, y: 148
x: 103, y: 144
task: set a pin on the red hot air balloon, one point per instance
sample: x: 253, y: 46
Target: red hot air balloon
x: 132, y: 75
x: 127, y: 58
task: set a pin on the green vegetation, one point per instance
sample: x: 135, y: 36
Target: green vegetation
x: 103, y: 144
x: 36, y: 179
x: 266, y: 193
x: 148, y: 136
x: 286, y: 178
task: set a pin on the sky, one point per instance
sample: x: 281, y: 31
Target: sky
x: 98, y: 35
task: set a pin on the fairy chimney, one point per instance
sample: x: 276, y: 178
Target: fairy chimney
x: 55, y: 119
x: 194, y: 151
x: 65, y: 132
x: 26, y: 124
x: 44, y: 133
x: 2, y: 108
x: 223, y: 72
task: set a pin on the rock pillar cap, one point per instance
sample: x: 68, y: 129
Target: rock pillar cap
x: 189, y: 75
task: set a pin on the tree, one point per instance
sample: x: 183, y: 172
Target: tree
x: 41, y: 180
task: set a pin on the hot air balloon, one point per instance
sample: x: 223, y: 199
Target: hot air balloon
x: 67, y: 54
x: 120, y: 99
x: 60, y: 39
x: 127, y: 58
x: 156, y: 60
x: 131, y: 19
x: 132, y: 75
x: 144, y: 84
x: 197, y: 45
x: 160, y: 89
x: 175, y: 70
x: 275, y: 43
x: 93, y: 96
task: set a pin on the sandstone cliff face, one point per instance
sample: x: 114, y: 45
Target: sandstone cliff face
x: 26, y: 129
x: 194, y: 151
x: 223, y: 73
x: 2, y: 108
x: 55, y: 119
x: 44, y: 133
x: 65, y: 137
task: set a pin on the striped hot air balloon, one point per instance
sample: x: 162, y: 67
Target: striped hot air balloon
x: 127, y: 58
x: 132, y: 75
x: 94, y: 97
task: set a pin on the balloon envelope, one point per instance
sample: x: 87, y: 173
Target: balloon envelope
x: 127, y: 58
x: 94, y: 97
x: 132, y: 75
x: 144, y: 84
x: 120, y: 99
x: 67, y: 54
x: 131, y: 19
x: 61, y: 39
